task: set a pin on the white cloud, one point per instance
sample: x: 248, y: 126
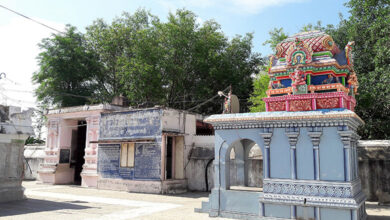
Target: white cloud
x: 18, y: 52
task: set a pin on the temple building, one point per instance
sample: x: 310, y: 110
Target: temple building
x: 120, y: 148
x: 70, y: 154
x: 307, y: 138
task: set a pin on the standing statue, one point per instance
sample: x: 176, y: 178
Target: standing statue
x: 353, y: 82
x: 298, y: 77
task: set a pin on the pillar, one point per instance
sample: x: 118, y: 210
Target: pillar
x: 47, y: 169
x: 315, y: 136
x: 163, y: 149
x: 89, y: 174
x: 313, y: 104
x: 293, y: 138
x: 308, y: 79
x: 355, y: 139
x: 317, y: 213
x: 346, y: 138
x: 267, y: 141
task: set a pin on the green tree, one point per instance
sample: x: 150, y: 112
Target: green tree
x: 277, y: 35
x: 66, y: 70
x: 181, y: 63
x: 260, y: 86
x: 369, y: 27
x: 114, y: 44
x: 178, y: 63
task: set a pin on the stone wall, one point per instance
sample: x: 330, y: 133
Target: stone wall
x: 374, y: 169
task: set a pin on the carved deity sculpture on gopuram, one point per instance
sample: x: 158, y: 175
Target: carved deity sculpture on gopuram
x: 305, y: 142
x: 310, y: 72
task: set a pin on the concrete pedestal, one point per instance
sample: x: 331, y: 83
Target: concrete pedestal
x: 14, y: 130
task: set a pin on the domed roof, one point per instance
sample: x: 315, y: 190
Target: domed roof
x: 317, y: 40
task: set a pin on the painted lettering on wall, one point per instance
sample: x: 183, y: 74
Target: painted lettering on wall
x: 108, y: 160
x: 132, y: 124
x: 147, y: 161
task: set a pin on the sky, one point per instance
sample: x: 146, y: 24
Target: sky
x: 19, y: 37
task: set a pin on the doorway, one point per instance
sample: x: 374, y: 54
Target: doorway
x: 79, y: 152
x: 169, y: 158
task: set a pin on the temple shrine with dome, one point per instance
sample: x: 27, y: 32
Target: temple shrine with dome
x: 307, y: 138
x: 310, y: 72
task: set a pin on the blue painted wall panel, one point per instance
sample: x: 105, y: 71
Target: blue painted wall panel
x: 147, y: 161
x: 240, y: 201
x: 331, y: 155
x: 305, y: 160
x: 286, y: 82
x: 277, y: 211
x: 333, y: 214
x: 131, y: 124
x: 317, y: 80
x: 108, y: 160
x: 280, y: 155
x: 305, y: 212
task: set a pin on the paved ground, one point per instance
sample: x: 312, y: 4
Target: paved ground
x: 72, y: 202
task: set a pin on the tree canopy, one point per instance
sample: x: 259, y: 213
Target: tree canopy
x: 67, y: 70
x: 178, y: 63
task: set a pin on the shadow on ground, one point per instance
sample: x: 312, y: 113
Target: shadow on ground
x: 378, y: 212
x: 192, y: 195
x: 36, y: 205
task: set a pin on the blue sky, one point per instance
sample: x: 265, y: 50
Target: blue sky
x: 19, y: 37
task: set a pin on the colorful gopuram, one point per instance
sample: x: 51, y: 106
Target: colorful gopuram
x: 307, y: 138
x: 310, y: 72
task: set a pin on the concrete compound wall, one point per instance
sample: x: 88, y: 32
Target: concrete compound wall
x: 34, y: 155
x: 374, y: 169
x: 198, y: 156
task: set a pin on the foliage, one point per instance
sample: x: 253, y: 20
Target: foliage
x: 276, y: 36
x: 66, y: 70
x: 113, y: 44
x: 369, y: 27
x: 33, y: 140
x: 260, y: 86
x: 181, y: 63
x: 178, y: 63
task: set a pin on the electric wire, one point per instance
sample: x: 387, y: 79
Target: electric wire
x: 24, y: 16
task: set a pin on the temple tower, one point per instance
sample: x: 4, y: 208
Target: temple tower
x: 307, y: 137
